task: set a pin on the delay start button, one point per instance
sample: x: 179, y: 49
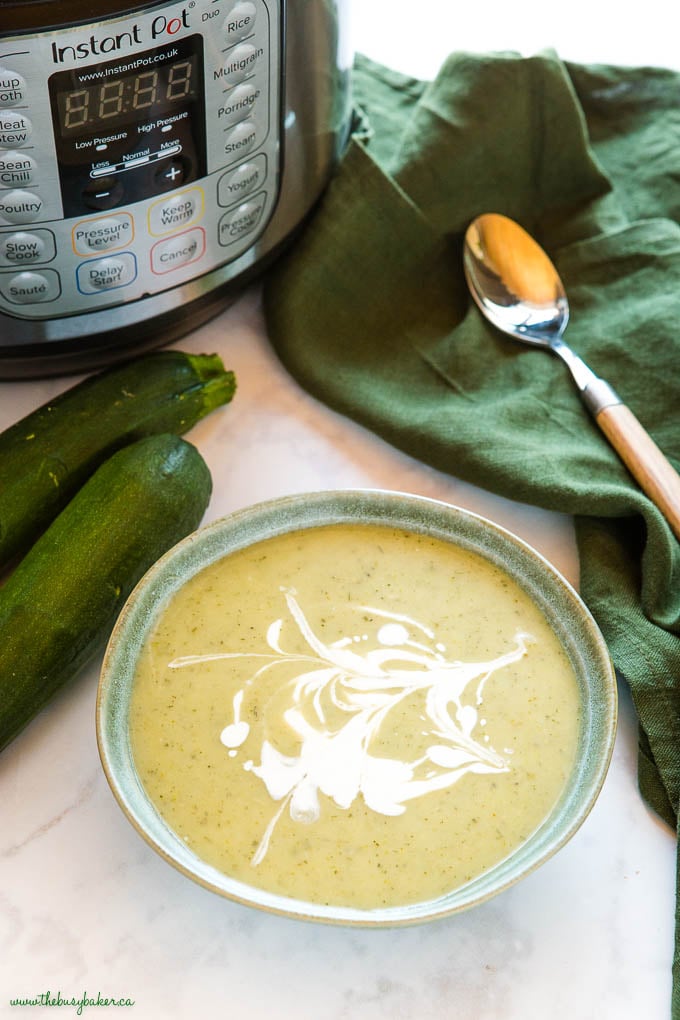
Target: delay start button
x: 30, y: 288
x: 178, y: 251
x: 101, y: 275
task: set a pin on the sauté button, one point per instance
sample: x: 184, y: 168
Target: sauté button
x: 30, y: 288
x: 17, y: 169
x: 12, y: 88
x: 20, y: 206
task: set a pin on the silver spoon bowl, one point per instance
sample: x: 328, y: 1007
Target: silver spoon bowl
x: 518, y: 289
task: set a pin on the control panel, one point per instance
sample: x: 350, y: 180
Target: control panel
x: 136, y: 154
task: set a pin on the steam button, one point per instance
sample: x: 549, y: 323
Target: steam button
x: 240, y: 22
x: 20, y: 206
x: 241, y: 139
x: 15, y: 129
x: 30, y: 288
x: 12, y: 88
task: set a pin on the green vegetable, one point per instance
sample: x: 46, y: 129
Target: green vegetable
x: 47, y: 456
x: 60, y: 604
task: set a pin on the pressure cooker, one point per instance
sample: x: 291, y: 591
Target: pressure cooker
x: 153, y: 159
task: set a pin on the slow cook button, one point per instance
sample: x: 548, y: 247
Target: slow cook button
x: 238, y: 104
x: 240, y: 21
x: 15, y: 130
x: 241, y: 139
x: 24, y: 247
x: 243, y: 180
x: 242, y: 220
x: 20, y: 206
x: 16, y: 168
x: 30, y: 288
x: 101, y: 275
x: 176, y: 212
x: 240, y: 62
x: 178, y: 251
x: 102, y: 234
x: 12, y: 88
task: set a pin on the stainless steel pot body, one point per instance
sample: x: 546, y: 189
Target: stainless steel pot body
x: 153, y: 162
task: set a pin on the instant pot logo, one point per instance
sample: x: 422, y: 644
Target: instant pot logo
x: 162, y: 27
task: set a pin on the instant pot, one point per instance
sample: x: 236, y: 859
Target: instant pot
x: 153, y: 159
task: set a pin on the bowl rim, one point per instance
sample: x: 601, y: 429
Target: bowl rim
x: 285, y: 514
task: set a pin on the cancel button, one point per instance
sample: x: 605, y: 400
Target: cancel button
x: 178, y: 251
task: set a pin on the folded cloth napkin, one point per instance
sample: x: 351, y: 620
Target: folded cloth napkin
x: 370, y: 312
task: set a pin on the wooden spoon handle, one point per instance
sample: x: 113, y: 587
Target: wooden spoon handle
x: 643, y: 458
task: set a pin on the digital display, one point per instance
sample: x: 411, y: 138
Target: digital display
x: 121, y: 98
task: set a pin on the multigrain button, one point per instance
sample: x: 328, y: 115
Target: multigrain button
x: 178, y: 251
x: 20, y: 206
x: 30, y: 288
x: 15, y: 129
x: 241, y: 221
x: 238, y: 103
x: 241, y: 62
x: 240, y: 22
x: 241, y: 139
x: 12, y: 88
x: 101, y: 275
x: 243, y: 180
x: 24, y: 247
x: 17, y: 169
x: 103, y: 234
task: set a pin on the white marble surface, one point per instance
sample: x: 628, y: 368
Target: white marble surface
x: 86, y: 906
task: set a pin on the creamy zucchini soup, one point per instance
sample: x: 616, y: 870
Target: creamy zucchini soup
x: 353, y: 715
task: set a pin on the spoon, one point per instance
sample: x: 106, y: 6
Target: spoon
x: 518, y: 289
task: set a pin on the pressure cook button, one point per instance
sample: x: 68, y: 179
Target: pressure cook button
x: 24, y: 247
x: 30, y: 288
x: 239, y: 222
x: 178, y: 251
x: 246, y: 178
x: 102, y: 234
x: 240, y: 21
x: 238, y: 103
x: 15, y: 129
x: 100, y: 275
x: 241, y: 139
x: 240, y: 62
x: 20, y: 206
x: 104, y: 193
x: 12, y: 88
x: 17, y: 169
x: 175, y: 212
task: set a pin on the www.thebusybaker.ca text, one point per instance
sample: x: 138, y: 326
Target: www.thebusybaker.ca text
x: 48, y: 999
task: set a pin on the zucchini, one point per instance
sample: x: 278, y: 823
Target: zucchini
x: 59, y: 606
x: 46, y: 457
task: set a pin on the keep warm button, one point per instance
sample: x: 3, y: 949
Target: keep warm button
x: 100, y: 275
x: 178, y: 251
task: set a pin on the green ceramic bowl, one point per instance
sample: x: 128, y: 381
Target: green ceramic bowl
x: 559, y: 603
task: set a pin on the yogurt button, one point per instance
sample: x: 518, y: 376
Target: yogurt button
x: 100, y: 275
x: 241, y: 62
x: 15, y: 130
x: 17, y: 169
x: 20, y: 206
x: 238, y: 103
x: 239, y: 22
x: 30, y: 288
x: 12, y: 88
x: 241, y: 139
x: 246, y: 178
x: 24, y: 247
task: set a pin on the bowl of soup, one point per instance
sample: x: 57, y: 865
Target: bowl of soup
x: 357, y: 707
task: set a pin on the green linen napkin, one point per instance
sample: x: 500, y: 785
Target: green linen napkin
x: 370, y: 312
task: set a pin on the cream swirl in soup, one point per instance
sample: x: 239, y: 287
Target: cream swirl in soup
x: 354, y: 714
